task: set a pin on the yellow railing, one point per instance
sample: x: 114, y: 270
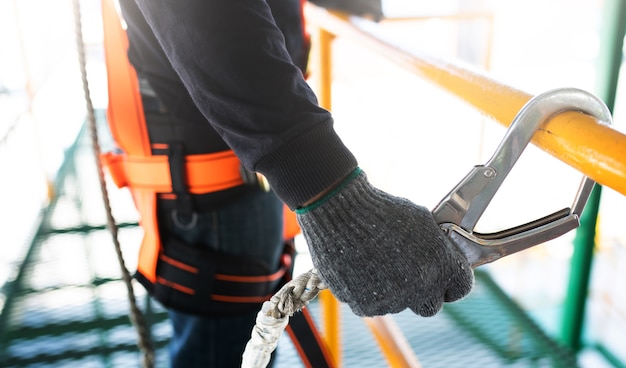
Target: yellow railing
x: 579, y: 140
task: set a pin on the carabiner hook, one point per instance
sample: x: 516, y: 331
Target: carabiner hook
x: 458, y: 213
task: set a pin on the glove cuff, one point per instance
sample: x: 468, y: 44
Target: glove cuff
x: 353, y: 175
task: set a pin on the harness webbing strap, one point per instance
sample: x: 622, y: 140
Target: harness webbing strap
x: 308, y: 342
x: 184, y: 203
x: 153, y: 172
x: 216, y: 276
x: 125, y: 104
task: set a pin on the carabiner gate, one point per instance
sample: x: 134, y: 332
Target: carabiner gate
x: 458, y: 213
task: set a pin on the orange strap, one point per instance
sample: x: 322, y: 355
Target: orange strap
x: 125, y: 111
x: 145, y: 201
x: 205, y: 173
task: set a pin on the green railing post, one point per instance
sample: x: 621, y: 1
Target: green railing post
x: 580, y: 272
x: 610, y: 61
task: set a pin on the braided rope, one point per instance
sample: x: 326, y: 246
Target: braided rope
x: 136, y: 316
x: 296, y: 294
x: 272, y: 320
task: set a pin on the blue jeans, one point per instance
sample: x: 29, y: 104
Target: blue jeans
x: 250, y: 226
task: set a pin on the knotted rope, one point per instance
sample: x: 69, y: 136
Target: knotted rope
x: 274, y: 317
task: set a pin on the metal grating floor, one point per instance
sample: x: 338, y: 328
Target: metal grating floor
x: 66, y: 305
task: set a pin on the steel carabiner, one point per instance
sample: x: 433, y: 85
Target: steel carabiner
x: 459, y: 211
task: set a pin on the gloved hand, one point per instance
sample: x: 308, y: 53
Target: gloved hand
x: 382, y: 254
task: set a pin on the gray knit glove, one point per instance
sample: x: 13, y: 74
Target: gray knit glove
x: 380, y: 253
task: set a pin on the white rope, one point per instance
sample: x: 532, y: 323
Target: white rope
x: 273, y: 318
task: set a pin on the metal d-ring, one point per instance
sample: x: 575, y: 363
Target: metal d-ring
x: 182, y: 226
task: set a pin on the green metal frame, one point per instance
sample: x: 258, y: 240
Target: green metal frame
x: 17, y: 288
x: 610, y: 61
x: 513, y: 335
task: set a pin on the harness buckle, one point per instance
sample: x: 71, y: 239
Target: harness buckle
x: 459, y: 211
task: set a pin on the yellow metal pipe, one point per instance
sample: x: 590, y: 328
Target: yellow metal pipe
x: 579, y: 140
x: 331, y: 323
x: 442, y: 16
x: 331, y: 312
x: 392, y: 342
x: 323, y: 66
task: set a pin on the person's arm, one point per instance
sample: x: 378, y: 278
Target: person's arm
x: 378, y: 253
x: 232, y: 59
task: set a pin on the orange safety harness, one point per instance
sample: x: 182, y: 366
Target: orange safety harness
x: 146, y: 174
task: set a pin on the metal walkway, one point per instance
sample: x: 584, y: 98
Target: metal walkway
x: 66, y: 305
